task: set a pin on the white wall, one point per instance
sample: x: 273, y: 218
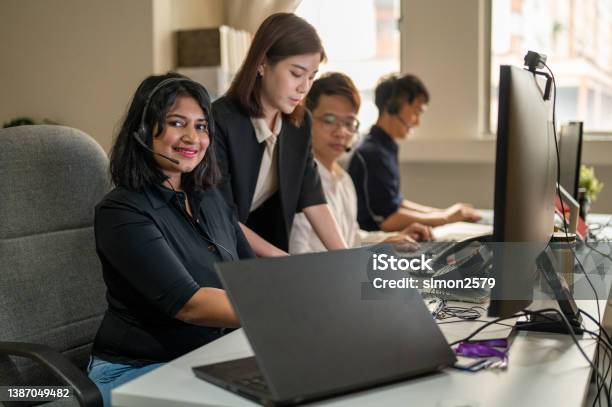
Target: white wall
x: 189, y: 14
x: 452, y: 156
x: 440, y: 41
x: 172, y: 15
x: 78, y: 62
x: 73, y: 61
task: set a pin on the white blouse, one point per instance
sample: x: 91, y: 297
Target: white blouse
x: 267, y: 180
x: 342, y: 201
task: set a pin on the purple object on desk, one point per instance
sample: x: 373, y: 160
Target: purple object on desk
x: 484, y: 349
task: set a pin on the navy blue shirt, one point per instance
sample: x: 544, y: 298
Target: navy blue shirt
x: 374, y: 169
x: 154, y: 258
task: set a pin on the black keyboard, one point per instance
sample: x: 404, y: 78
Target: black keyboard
x: 430, y: 250
x: 241, y: 374
x: 254, y: 382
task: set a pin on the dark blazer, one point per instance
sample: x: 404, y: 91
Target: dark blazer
x: 239, y: 155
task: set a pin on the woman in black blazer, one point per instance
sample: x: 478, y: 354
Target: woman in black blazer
x: 264, y: 138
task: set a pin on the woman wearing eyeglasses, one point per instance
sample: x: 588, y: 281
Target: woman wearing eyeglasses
x: 264, y: 138
x: 334, y: 103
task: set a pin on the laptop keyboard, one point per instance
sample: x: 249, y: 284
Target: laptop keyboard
x: 243, y: 374
x: 428, y: 249
x: 472, y: 295
x: 255, y: 382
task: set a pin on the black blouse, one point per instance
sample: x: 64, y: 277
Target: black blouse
x: 154, y: 258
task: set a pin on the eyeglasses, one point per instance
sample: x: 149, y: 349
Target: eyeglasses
x: 333, y: 121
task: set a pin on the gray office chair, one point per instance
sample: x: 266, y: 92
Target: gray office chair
x: 52, y: 296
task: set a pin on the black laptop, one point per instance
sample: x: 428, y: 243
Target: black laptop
x: 317, y: 329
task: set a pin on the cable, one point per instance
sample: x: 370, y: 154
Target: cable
x: 608, y: 340
x: 463, y: 313
x: 598, y: 251
x: 598, y: 357
x: 589, y: 281
x: 541, y: 313
x: 190, y: 220
x: 474, y: 320
x: 565, y: 226
x: 586, y: 314
x: 608, y: 355
x: 607, y: 371
x: 376, y: 218
x: 477, y: 331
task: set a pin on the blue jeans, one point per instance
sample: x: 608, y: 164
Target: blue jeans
x: 107, y: 375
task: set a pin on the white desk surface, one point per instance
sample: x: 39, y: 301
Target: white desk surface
x: 544, y: 369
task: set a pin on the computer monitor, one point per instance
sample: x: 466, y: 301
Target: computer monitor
x: 570, y: 151
x: 525, y: 180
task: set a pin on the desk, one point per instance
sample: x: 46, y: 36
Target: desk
x: 604, y: 231
x: 544, y: 369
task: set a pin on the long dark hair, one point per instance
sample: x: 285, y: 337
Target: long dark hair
x: 280, y: 36
x: 131, y: 165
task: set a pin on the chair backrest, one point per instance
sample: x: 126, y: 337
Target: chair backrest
x: 51, y: 286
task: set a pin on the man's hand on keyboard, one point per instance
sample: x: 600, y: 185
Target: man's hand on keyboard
x: 419, y: 232
x: 460, y: 212
x: 402, y: 242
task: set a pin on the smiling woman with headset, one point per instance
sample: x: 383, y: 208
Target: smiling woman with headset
x: 159, y: 233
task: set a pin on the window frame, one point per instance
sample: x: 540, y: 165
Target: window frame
x: 486, y: 50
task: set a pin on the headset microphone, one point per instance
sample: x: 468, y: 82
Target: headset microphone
x: 146, y: 147
x: 352, y: 142
x: 403, y: 122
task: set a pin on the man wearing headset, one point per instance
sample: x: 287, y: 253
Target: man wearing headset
x: 334, y: 102
x: 374, y: 166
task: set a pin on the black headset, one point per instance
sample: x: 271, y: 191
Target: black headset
x: 141, y: 133
x: 393, y: 105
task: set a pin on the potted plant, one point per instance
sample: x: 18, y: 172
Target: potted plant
x: 26, y: 121
x: 589, y: 188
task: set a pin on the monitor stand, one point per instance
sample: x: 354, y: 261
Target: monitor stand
x: 551, y: 322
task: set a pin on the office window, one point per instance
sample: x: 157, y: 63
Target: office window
x: 361, y: 39
x: 576, y: 35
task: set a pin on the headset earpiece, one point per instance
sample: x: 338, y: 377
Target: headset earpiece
x: 393, y: 105
x: 140, y: 134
